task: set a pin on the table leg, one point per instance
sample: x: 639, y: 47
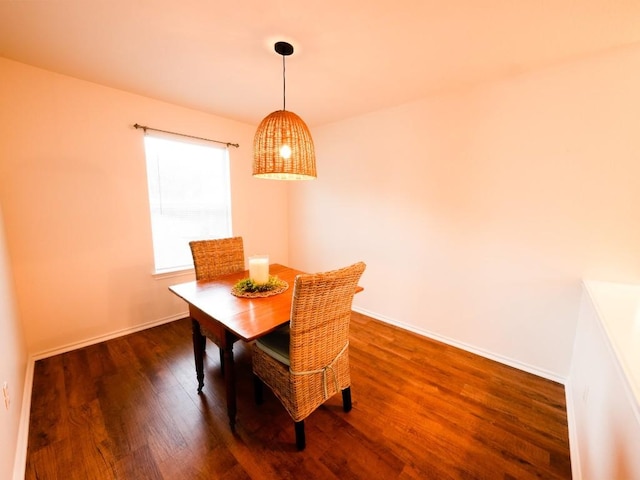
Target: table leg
x: 198, y: 353
x: 229, y: 379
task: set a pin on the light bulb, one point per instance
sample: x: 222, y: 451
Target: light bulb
x: 285, y: 151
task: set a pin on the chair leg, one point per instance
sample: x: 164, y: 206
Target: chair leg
x: 257, y: 389
x: 300, y: 440
x: 346, y: 399
x: 221, y: 362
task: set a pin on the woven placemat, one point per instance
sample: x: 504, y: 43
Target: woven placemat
x: 268, y: 293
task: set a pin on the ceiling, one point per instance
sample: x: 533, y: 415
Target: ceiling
x: 351, y: 56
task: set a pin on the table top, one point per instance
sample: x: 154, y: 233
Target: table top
x: 247, y: 318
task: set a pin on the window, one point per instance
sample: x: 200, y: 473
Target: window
x: 189, y: 198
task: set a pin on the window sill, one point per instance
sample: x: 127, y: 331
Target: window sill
x: 160, y: 275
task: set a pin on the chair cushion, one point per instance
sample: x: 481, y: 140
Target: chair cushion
x: 276, y: 344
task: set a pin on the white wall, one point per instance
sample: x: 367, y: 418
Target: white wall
x: 604, y: 412
x: 478, y: 212
x: 13, y: 365
x: 74, y: 195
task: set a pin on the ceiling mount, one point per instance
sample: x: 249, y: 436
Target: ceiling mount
x: 283, y: 48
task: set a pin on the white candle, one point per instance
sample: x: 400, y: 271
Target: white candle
x: 259, y: 268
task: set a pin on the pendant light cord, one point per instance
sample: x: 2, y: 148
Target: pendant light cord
x: 284, y: 85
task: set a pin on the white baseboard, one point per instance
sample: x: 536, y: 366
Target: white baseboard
x: 20, y: 461
x: 108, y: 336
x: 469, y: 348
x: 574, y: 450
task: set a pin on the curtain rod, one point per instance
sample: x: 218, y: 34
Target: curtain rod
x: 145, y: 128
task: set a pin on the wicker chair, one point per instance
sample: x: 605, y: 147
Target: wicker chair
x: 307, y: 361
x: 212, y: 258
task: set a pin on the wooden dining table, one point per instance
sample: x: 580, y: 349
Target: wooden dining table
x: 226, y: 319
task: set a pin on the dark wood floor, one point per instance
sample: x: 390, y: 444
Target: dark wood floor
x: 128, y: 409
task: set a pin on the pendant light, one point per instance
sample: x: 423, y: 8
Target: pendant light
x: 282, y: 146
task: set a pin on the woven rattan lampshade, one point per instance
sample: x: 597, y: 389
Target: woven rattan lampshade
x: 282, y: 147
x: 283, y: 129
